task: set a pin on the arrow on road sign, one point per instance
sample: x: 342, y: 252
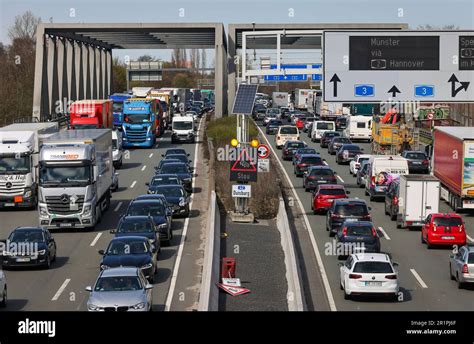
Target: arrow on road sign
x: 234, y: 291
x: 453, y: 80
x: 244, y: 165
x: 335, y: 79
x: 394, y: 90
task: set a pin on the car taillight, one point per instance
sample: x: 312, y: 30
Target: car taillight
x: 374, y: 232
x: 311, y: 177
x: 355, y: 276
x: 409, y: 223
x: 465, y: 269
x: 344, y: 231
x: 395, y: 200
x: 373, y: 180
x: 434, y: 228
x: 357, y: 164
x: 302, y: 165
x: 367, y: 217
x: 426, y: 162
x: 391, y: 277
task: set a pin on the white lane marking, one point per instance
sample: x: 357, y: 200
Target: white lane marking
x: 174, y: 276
x: 61, y: 289
x: 118, y: 206
x: 469, y: 238
x: 322, y: 270
x: 143, y: 168
x: 151, y: 155
x: 418, y: 278
x: 97, y: 237
x: 325, y: 163
x: 384, y: 233
x: 133, y: 184
x: 339, y: 177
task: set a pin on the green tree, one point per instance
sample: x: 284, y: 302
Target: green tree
x: 183, y: 80
x: 119, y: 71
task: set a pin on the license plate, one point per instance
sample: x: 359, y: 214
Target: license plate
x: 9, y: 204
x: 351, y: 220
x: 23, y: 260
x: 416, y: 163
x: 65, y: 224
x: 373, y: 284
x: 447, y: 238
x: 323, y: 181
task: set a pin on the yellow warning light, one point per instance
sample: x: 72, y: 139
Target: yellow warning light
x: 254, y: 143
x: 234, y: 142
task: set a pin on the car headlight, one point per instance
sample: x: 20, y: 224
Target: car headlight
x: 43, y: 211
x: 41, y: 252
x: 27, y: 193
x: 87, y: 210
x: 147, y: 266
x: 92, y: 307
x: 103, y: 266
x: 140, y: 305
x: 163, y: 225
x: 182, y: 202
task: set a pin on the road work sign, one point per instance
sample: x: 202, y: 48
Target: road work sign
x: 234, y: 291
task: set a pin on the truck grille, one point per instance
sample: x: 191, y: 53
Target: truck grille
x: 13, y: 189
x: 136, y: 135
x: 56, y: 206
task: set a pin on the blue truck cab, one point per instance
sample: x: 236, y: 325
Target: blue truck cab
x: 118, y: 99
x: 140, y: 122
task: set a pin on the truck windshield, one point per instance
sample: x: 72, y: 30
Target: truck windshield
x: 65, y: 175
x: 183, y: 125
x: 137, y: 118
x: 14, y: 165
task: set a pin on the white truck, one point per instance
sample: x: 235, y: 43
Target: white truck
x: 182, y: 129
x: 75, y: 177
x: 279, y: 99
x: 358, y: 128
x: 418, y: 197
x: 301, y: 98
x: 19, y: 147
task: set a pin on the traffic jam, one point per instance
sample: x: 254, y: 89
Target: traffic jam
x: 68, y: 179
x: 375, y: 192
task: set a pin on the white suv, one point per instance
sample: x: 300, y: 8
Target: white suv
x: 286, y: 133
x: 366, y: 273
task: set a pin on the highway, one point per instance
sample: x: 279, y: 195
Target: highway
x: 62, y: 288
x: 423, y: 273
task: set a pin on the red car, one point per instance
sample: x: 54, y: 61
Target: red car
x: 300, y: 122
x: 443, y: 229
x: 325, y: 194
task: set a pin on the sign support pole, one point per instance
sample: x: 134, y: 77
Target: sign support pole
x: 241, y: 204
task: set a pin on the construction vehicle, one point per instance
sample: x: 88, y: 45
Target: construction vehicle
x: 391, y: 135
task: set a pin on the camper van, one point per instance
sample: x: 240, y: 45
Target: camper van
x: 359, y: 128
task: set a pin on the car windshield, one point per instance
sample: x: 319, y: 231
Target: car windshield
x: 352, y: 210
x: 274, y: 123
x: 306, y: 151
x: 119, y: 247
x: 175, y: 151
x: 12, y: 164
x: 332, y: 192
x: 65, y: 175
x: 359, y: 230
x: 341, y: 140
x: 171, y: 191
x: 135, y: 226
x: 147, y: 209
x: 325, y: 126
x: 322, y: 172
x: 137, y: 118
x: 123, y: 283
x: 288, y: 130
x: 311, y: 160
x: 164, y: 181
x: 447, y: 221
x: 416, y: 156
x: 373, y: 268
x: 180, y: 157
x: 174, y: 168
x: 183, y: 125
x: 294, y: 145
x: 329, y: 135
x: 26, y: 236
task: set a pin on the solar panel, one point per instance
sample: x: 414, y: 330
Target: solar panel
x: 244, y: 99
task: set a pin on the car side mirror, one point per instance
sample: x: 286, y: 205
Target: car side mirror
x: 188, y: 154
x: 101, y: 252
x: 148, y: 287
x: 362, y: 149
x: 162, y: 155
x: 147, y: 184
x: 370, y: 208
x: 395, y: 265
x: 89, y: 288
x: 190, y: 161
x: 348, y: 192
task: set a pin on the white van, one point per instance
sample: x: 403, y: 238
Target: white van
x: 286, y: 133
x: 380, y: 169
x: 359, y: 128
x: 183, y: 128
x: 319, y: 128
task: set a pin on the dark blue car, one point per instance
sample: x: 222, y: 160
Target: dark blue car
x: 175, y: 151
x: 138, y: 225
x: 162, y: 179
x: 182, y: 171
x: 131, y: 251
x: 177, y: 197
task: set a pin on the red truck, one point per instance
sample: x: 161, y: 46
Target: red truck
x: 91, y: 113
x: 453, y: 165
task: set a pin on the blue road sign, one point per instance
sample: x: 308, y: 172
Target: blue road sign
x: 316, y: 77
x: 293, y: 77
x: 424, y: 91
x: 295, y: 66
x: 364, y: 90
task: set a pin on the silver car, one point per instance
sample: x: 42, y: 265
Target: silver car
x: 461, y: 266
x: 3, y: 289
x: 120, y: 289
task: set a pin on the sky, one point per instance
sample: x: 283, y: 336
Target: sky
x: 412, y: 12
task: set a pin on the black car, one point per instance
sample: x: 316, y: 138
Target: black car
x: 156, y: 197
x: 179, y: 157
x: 391, y: 200
x: 347, y: 152
x: 138, y: 226
x: 358, y: 237
x: 177, y: 197
x: 290, y: 147
x: 341, y: 123
x: 175, y: 151
x: 272, y: 126
x: 256, y: 108
x: 29, y: 246
x: 348, y: 209
x: 305, y: 161
x: 418, y: 162
x: 165, y: 161
x: 336, y: 143
x: 135, y: 251
x: 182, y: 171
x: 327, y: 137
x: 261, y: 113
x: 162, y: 179
x: 318, y: 175
x: 300, y: 151
x: 160, y: 213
